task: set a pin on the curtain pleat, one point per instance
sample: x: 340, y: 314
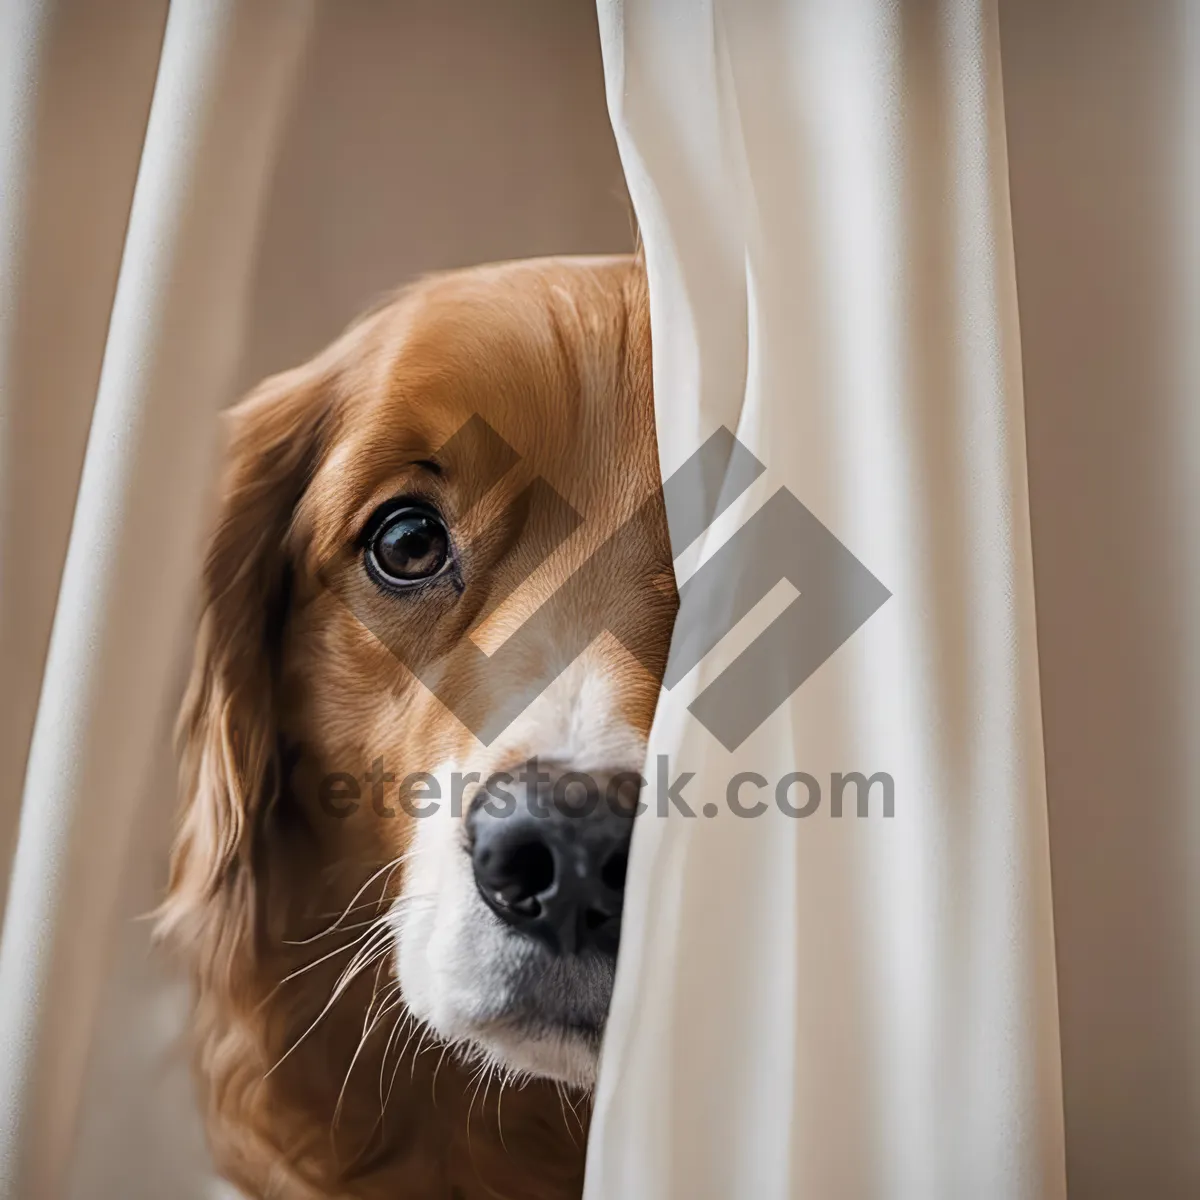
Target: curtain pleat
x: 77, y: 87
x: 171, y: 350
x: 842, y: 1006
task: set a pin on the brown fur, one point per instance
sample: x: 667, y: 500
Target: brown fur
x: 288, y: 684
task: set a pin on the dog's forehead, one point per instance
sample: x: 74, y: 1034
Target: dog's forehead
x: 479, y: 379
x: 461, y: 354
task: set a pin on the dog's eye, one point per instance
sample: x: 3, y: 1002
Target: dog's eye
x: 410, y: 545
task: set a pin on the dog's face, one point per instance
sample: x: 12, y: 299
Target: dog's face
x: 452, y: 529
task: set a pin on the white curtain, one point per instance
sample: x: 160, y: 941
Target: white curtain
x: 172, y: 343
x: 936, y: 263
x: 822, y: 189
x: 857, y: 216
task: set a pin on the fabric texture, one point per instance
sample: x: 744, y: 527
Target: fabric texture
x: 124, y: 598
x: 936, y: 265
x: 822, y: 191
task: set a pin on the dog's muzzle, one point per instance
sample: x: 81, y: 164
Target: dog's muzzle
x: 549, y: 855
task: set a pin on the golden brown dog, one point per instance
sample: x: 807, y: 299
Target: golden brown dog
x: 436, y: 610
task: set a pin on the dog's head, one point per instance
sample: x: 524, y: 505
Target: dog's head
x: 438, y: 603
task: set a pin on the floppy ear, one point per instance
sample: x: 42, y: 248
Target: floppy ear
x: 230, y: 764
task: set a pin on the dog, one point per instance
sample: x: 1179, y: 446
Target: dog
x: 436, y: 610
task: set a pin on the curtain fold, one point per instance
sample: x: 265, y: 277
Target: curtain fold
x: 842, y: 1006
x: 171, y: 350
x: 76, y: 85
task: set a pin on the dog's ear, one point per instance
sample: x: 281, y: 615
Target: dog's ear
x: 230, y: 761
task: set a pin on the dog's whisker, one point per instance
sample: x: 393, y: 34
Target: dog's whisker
x: 504, y: 1079
x: 365, y: 957
x: 400, y: 1057
x: 311, y: 966
x: 398, y: 1024
x: 389, y: 868
x: 433, y: 1085
x: 425, y: 1031
x: 481, y: 1077
x: 316, y: 937
x: 367, y: 1017
x: 579, y: 1121
x: 360, y: 961
x: 362, y: 1042
x: 562, y: 1104
x: 371, y: 945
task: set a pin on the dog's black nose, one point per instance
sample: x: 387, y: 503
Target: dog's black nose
x: 549, y: 850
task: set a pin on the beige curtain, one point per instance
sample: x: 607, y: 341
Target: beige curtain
x: 169, y: 356
x: 844, y: 1006
x: 937, y: 264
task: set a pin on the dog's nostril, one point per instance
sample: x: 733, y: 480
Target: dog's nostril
x: 528, y: 870
x: 612, y: 874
